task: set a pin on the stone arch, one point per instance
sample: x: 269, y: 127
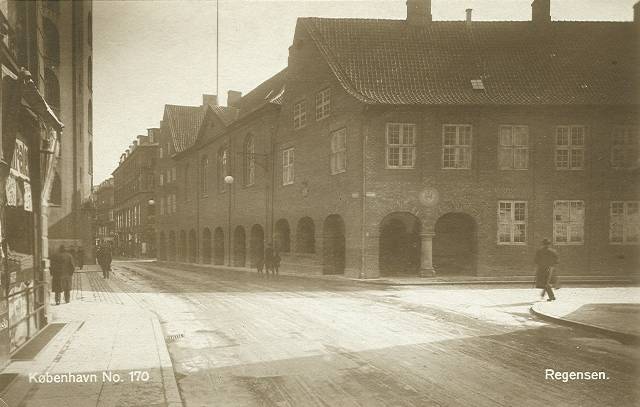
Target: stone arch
x: 256, y: 244
x: 333, y: 245
x: 306, y: 236
x: 193, y: 247
x: 454, y: 244
x: 399, y: 250
x: 282, y: 236
x: 206, y: 246
x: 218, y: 246
x: 239, y: 247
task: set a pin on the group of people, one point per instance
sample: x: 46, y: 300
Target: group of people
x: 270, y: 263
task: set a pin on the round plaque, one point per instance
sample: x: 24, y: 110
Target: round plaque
x: 429, y: 197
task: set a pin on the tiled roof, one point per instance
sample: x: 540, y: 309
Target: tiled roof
x: 226, y: 114
x: 519, y: 63
x: 268, y: 92
x: 184, y: 122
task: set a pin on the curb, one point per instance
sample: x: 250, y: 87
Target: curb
x: 623, y: 337
x: 171, y: 393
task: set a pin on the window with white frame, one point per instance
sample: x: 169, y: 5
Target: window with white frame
x: 161, y: 179
x: 299, y: 115
x: 456, y: 146
x: 287, y: 166
x: 624, y: 222
x: 339, y: 151
x: 161, y: 151
x: 626, y: 143
x: 570, y: 147
x: 512, y: 222
x: 323, y: 104
x: 568, y: 222
x: 514, y: 147
x: 401, y: 145
x: 162, y: 203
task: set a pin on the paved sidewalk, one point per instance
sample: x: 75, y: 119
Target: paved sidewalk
x: 106, y: 334
x: 415, y: 281
x: 613, y: 311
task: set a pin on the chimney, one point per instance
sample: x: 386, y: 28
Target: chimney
x: 211, y: 100
x: 418, y: 12
x: 541, y: 11
x: 636, y: 12
x: 469, y: 10
x: 233, y: 97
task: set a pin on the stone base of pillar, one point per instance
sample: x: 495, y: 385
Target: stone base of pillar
x: 427, y: 272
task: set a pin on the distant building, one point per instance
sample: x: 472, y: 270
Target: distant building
x: 134, y: 203
x: 420, y: 147
x: 104, y: 213
x: 45, y: 52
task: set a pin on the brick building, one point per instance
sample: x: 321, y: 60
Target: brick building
x: 104, y: 217
x: 417, y: 147
x: 134, y: 202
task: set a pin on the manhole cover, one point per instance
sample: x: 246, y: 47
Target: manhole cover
x: 173, y: 338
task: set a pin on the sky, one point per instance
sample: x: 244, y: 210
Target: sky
x: 150, y: 53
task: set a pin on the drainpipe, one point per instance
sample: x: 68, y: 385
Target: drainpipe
x: 364, y: 132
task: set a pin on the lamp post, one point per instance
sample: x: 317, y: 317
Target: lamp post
x: 229, y: 181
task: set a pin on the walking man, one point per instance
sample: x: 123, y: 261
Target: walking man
x: 62, y: 268
x: 268, y: 259
x: 104, y: 260
x: 546, y: 259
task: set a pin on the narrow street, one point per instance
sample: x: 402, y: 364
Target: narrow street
x: 240, y: 340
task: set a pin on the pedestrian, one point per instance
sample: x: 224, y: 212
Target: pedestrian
x: 268, y: 259
x: 61, y: 269
x: 80, y: 260
x: 260, y: 263
x: 546, y: 259
x: 276, y: 263
x: 104, y: 260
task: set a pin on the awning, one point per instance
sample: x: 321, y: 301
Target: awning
x: 33, y: 100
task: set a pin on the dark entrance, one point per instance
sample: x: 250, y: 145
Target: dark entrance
x: 239, y: 247
x: 333, y: 245
x: 256, y: 244
x: 454, y: 244
x: 218, y: 246
x: 206, y: 246
x: 399, y: 244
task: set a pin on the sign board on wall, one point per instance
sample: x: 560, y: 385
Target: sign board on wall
x: 20, y: 161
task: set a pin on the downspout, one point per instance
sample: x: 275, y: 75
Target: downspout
x: 272, y: 154
x: 364, y: 132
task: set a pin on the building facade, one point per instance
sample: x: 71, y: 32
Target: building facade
x: 393, y: 155
x: 37, y: 94
x: 134, y: 203
x: 104, y: 213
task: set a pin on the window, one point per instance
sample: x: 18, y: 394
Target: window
x: 249, y: 161
x: 401, y: 145
x: 287, y: 166
x: 456, y: 146
x: 568, y: 222
x: 223, y: 168
x: 161, y: 151
x: 624, y: 152
x: 514, y: 148
x: 323, y: 104
x: 204, y: 168
x: 570, y: 147
x: 512, y: 222
x: 161, y: 179
x: 162, y: 200
x: 299, y: 115
x: 339, y: 151
x: 624, y: 222
x: 187, y: 186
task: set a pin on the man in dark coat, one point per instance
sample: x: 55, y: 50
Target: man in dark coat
x: 104, y: 260
x: 62, y: 268
x: 546, y: 259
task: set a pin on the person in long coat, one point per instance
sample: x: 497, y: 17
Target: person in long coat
x: 104, y: 260
x: 546, y: 259
x: 62, y: 268
x: 268, y: 259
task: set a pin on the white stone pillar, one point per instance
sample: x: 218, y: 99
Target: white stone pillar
x: 426, y: 255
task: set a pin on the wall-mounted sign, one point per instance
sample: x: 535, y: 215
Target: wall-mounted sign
x: 429, y: 197
x: 27, y: 197
x: 20, y: 161
x: 11, y: 191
